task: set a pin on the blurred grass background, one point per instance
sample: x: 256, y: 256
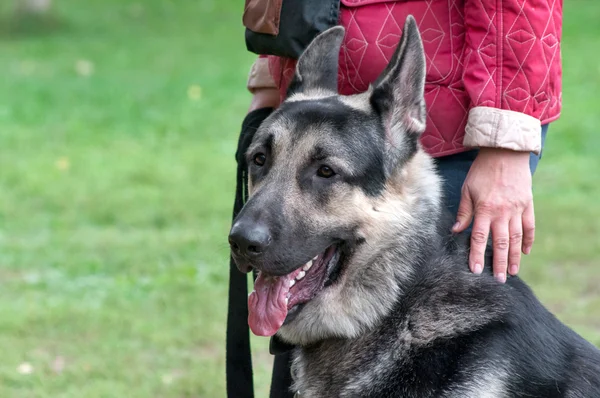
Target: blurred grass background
x: 118, y: 125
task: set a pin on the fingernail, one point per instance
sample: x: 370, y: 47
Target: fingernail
x: 455, y: 226
x: 477, y: 269
x: 527, y: 250
x: 501, y: 277
x: 514, y: 269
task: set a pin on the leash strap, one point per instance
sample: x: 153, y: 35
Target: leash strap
x: 238, y: 354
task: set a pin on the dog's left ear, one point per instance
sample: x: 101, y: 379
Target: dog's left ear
x: 317, y: 67
x: 398, y: 95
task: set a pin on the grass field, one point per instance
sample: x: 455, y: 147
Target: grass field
x: 118, y: 124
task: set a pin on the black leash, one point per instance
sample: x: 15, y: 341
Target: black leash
x: 238, y: 355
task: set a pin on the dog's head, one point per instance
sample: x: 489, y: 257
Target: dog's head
x: 335, y: 182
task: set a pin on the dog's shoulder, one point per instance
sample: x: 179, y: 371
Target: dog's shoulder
x: 446, y: 299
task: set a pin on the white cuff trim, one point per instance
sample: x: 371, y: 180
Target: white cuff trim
x: 500, y: 128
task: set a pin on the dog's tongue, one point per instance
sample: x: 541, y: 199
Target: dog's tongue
x: 267, y: 307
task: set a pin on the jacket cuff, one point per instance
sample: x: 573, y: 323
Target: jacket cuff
x: 260, y: 76
x: 500, y: 128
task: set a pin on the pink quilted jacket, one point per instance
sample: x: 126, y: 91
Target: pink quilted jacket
x: 493, y: 66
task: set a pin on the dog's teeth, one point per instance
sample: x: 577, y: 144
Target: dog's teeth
x: 307, y: 265
x: 315, y: 257
x: 300, y: 275
x: 292, y: 282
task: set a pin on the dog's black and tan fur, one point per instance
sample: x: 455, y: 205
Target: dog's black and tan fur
x: 399, y: 315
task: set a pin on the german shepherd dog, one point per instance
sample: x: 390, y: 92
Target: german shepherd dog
x: 357, y: 267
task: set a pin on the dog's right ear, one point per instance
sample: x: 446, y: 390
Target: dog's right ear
x: 317, y: 67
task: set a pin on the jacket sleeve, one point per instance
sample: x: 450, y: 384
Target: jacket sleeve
x: 504, y: 71
x: 260, y: 76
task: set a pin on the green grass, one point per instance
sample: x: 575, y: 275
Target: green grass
x: 116, y: 187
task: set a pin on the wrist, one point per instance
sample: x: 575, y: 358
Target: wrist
x: 502, y: 155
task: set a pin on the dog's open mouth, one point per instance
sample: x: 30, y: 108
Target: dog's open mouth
x: 274, y: 296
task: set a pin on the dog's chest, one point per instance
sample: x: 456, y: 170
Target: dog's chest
x: 391, y: 368
x: 320, y: 376
x: 340, y: 370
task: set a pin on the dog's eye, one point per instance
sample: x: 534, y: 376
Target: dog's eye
x: 325, y: 172
x: 260, y: 159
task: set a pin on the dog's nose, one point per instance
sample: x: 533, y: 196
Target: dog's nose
x: 250, y: 241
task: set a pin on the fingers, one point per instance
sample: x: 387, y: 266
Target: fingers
x: 464, y: 214
x: 479, y: 237
x: 508, y: 239
x: 515, y: 228
x: 501, y: 243
x: 528, y: 228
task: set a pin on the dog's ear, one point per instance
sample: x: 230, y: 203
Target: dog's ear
x: 317, y: 67
x: 398, y: 96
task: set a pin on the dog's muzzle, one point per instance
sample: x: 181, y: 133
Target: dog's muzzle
x: 249, y: 242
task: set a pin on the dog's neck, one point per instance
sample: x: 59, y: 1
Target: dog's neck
x: 412, y: 208
x: 427, y: 256
x: 410, y: 251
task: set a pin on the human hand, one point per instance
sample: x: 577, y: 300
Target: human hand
x: 497, y: 193
x: 264, y: 98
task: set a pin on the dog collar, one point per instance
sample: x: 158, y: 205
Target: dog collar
x: 277, y: 347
